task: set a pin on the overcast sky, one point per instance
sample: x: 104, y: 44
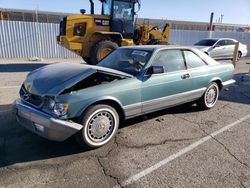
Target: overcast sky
x: 233, y: 11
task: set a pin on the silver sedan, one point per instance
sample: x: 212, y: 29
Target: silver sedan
x: 221, y: 48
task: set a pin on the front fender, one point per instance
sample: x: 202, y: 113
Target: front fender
x: 98, y: 100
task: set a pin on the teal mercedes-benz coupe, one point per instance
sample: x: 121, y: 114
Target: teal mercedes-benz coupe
x: 61, y: 100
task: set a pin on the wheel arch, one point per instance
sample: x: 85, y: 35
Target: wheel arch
x: 218, y: 81
x: 113, y: 36
x: 240, y: 52
x: 107, y: 101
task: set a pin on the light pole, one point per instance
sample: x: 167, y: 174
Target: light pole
x: 222, y: 15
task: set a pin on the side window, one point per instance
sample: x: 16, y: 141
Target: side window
x: 107, y: 7
x: 171, y: 60
x: 230, y: 42
x: 80, y: 29
x: 221, y: 43
x: 122, y: 10
x: 193, y: 60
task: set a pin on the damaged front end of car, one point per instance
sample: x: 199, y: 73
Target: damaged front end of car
x: 50, y: 100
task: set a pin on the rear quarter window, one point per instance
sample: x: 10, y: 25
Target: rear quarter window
x: 192, y: 60
x: 230, y: 42
x: 205, y: 57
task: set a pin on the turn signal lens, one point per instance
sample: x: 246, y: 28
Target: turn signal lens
x: 61, y: 109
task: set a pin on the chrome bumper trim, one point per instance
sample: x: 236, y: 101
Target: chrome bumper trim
x: 229, y: 82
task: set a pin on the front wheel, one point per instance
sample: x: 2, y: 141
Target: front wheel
x: 210, y: 97
x: 101, y: 49
x: 100, y: 124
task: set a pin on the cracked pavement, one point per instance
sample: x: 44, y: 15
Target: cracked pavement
x: 26, y: 160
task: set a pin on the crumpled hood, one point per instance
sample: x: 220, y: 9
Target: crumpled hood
x: 51, y: 80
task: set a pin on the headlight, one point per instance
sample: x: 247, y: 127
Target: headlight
x: 60, y: 109
x: 51, y: 104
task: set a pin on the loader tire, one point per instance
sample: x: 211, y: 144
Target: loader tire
x: 101, y: 49
x: 86, y: 60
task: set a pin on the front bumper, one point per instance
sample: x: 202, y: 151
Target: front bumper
x: 43, y: 124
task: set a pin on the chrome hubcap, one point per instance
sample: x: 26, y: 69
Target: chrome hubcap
x: 100, y: 126
x: 211, y: 96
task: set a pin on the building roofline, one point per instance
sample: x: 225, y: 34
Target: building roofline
x: 151, y: 19
x: 34, y: 11
x: 197, y: 22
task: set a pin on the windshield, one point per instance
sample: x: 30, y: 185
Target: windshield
x: 130, y: 61
x: 106, y: 5
x: 123, y: 10
x: 206, y: 42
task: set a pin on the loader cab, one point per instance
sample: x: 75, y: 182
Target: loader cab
x: 121, y: 14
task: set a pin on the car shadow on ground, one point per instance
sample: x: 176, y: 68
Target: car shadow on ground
x: 18, y: 67
x: 182, y: 109
x: 20, y: 145
x: 239, y: 92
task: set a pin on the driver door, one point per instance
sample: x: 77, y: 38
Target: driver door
x: 169, y: 88
x: 219, y: 50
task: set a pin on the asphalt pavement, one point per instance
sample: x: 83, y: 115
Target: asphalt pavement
x: 176, y: 147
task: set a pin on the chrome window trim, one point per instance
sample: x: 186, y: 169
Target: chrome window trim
x: 167, y: 73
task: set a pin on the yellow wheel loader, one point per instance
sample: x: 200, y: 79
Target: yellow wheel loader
x: 94, y: 36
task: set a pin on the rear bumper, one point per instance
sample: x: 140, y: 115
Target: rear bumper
x: 244, y: 53
x: 228, y: 83
x: 43, y: 124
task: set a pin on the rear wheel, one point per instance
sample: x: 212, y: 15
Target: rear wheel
x: 101, y: 49
x: 239, y: 56
x: 100, y: 124
x: 210, y: 97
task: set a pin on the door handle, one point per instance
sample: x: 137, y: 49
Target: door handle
x: 185, y: 76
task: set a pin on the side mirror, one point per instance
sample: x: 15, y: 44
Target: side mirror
x: 155, y: 70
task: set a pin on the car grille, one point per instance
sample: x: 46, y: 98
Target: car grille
x: 30, y: 98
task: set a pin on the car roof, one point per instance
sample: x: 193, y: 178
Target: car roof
x: 219, y: 39
x: 208, y: 59
x: 157, y: 47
